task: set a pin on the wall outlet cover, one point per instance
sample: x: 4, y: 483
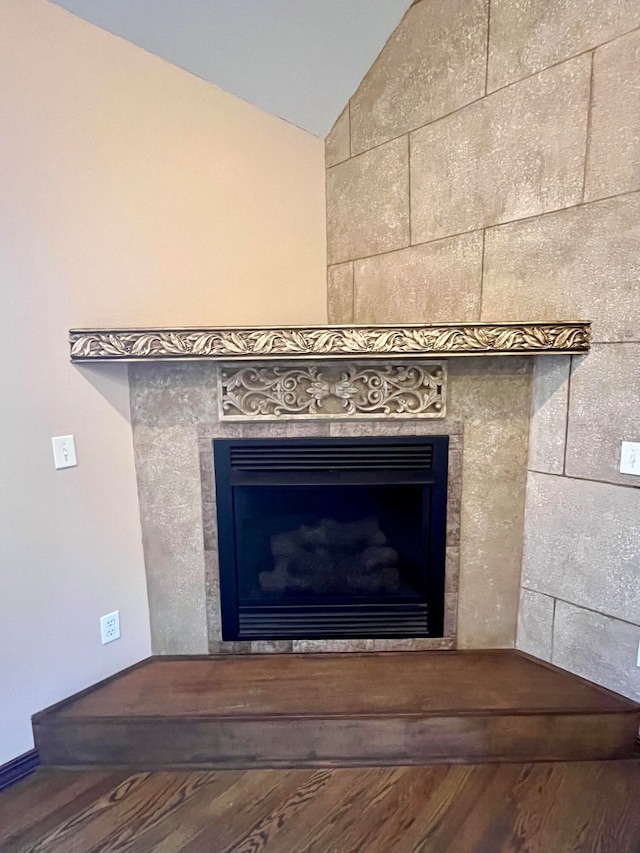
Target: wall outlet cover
x: 110, y: 627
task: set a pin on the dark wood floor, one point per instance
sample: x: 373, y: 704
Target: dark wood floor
x: 589, y: 807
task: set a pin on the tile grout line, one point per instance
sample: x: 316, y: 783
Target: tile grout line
x: 409, y: 188
x: 490, y: 226
x: 583, y: 479
x: 484, y: 240
x: 566, y: 424
x: 326, y: 233
x: 587, y: 144
x: 632, y: 341
x: 557, y: 598
x: 486, y: 67
x: 338, y: 163
x: 353, y: 291
x: 489, y: 94
x: 327, y: 237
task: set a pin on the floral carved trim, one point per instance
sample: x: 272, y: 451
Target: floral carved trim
x: 329, y: 341
x: 332, y: 390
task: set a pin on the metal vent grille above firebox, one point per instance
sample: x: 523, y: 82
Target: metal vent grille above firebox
x: 320, y: 457
x: 331, y: 538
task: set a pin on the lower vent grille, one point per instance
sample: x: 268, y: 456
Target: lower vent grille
x: 339, y: 621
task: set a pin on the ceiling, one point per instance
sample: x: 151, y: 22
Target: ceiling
x: 298, y: 59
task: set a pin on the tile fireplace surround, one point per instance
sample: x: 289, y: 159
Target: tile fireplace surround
x: 182, y: 401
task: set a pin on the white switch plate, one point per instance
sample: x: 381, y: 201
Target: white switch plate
x: 64, y: 451
x: 630, y: 457
x: 638, y: 661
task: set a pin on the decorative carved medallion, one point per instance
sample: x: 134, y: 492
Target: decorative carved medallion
x: 332, y: 390
x: 330, y: 341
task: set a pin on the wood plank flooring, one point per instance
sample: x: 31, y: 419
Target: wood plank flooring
x: 591, y: 807
x: 294, y: 711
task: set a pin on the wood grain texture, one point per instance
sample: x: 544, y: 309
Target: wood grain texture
x: 339, y: 743
x: 528, y: 808
x: 337, y: 710
x: 368, y: 684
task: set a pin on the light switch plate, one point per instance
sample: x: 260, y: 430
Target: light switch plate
x: 630, y: 458
x: 64, y: 451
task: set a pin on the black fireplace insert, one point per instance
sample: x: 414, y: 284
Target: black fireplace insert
x: 331, y: 538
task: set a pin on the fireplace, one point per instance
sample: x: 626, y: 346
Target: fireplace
x: 331, y: 538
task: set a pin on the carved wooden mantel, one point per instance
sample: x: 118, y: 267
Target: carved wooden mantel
x: 330, y: 342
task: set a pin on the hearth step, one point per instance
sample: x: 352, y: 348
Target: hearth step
x: 353, y: 709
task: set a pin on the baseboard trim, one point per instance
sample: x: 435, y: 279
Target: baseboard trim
x: 16, y: 769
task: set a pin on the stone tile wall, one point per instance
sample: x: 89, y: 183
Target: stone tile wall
x: 488, y: 167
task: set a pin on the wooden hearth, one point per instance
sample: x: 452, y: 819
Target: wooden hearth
x: 337, y: 710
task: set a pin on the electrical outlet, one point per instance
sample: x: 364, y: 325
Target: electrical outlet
x: 110, y: 627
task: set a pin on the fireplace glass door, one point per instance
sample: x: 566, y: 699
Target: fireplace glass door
x: 331, y: 538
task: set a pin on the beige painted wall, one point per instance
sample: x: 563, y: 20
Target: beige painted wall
x: 503, y: 184
x: 131, y: 193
